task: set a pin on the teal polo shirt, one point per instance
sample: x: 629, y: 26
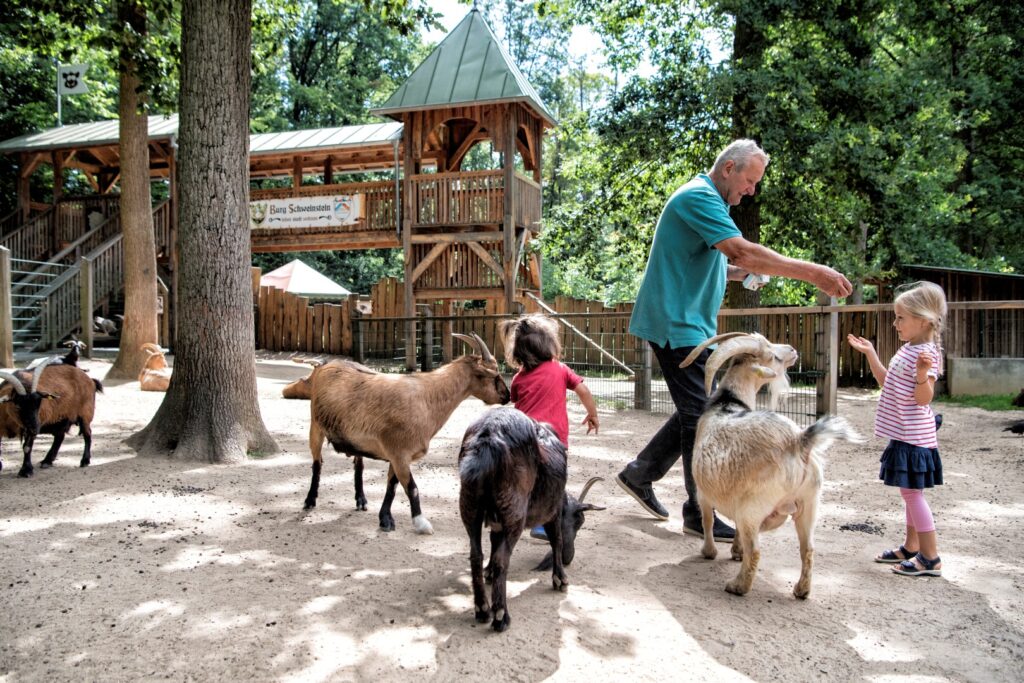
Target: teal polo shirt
x: 684, y: 281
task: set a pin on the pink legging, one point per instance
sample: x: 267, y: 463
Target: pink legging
x: 919, y: 515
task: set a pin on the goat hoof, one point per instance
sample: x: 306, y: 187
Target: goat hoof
x: 387, y: 525
x: 501, y: 624
x: 422, y: 525
x: 361, y: 506
x: 801, y: 592
x: 84, y: 463
x: 25, y: 473
x: 735, y: 588
x: 45, y: 465
x: 309, y: 505
x: 483, y: 616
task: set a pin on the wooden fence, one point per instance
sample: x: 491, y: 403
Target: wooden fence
x: 975, y: 329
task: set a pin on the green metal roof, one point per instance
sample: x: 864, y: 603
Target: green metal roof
x: 468, y: 67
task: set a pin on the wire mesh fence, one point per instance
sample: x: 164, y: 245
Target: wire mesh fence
x: 616, y: 366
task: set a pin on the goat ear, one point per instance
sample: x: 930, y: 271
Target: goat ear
x: 4, y: 399
x: 763, y: 372
x: 46, y: 394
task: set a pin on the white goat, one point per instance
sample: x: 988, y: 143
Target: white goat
x: 755, y: 466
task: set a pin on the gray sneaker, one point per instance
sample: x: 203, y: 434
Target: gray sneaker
x: 645, y: 496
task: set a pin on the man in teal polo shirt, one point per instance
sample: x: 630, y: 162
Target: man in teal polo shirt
x: 696, y: 248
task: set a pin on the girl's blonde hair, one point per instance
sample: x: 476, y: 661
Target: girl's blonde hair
x: 530, y: 340
x: 925, y: 300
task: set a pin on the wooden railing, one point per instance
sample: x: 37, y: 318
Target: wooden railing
x: 470, y: 198
x: 379, y: 197
x: 527, y: 203
x: 77, y: 215
x: 31, y: 241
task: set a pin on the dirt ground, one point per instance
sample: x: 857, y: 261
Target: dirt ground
x: 151, y: 569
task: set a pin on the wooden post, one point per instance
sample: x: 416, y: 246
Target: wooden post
x: 642, y: 379
x: 57, y: 158
x: 358, y: 337
x: 427, y: 363
x: 85, y: 279
x: 407, y: 213
x: 828, y: 353
x: 509, y: 226
x: 6, y: 313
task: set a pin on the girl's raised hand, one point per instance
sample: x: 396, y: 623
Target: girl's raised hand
x: 925, y: 361
x: 859, y: 343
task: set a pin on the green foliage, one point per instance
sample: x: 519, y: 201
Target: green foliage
x: 354, y: 274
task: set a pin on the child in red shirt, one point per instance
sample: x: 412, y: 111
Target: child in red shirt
x: 538, y: 389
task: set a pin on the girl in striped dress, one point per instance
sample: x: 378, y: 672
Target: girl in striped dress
x: 911, y: 460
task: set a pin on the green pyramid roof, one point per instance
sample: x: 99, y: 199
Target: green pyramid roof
x: 468, y: 67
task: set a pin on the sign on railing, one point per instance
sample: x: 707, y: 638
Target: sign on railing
x: 327, y: 211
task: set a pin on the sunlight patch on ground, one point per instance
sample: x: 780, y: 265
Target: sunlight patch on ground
x: 591, y: 650
x: 319, y: 605
x: 217, y: 622
x: 991, y: 578
x: 408, y: 647
x: 328, y: 652
x: 896, y: 678
x: 875, y: 647
x: 194, y: 557
x: 990, y: 510
x: 156, y: 613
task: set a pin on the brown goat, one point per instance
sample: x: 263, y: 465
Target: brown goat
x: 155, y: 374
x: 47, y: 401
x: 301, y: 388
x: 363, y: 413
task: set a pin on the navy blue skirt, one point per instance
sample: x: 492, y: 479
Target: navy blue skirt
x: 910, y: 467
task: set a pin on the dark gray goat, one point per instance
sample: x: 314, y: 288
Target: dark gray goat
x: 513, y: 475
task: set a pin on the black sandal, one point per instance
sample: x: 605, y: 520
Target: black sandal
x: 910, y: 568
x: 890, y: 556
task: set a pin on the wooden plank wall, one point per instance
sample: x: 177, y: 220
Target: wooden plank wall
x: 287, y: 322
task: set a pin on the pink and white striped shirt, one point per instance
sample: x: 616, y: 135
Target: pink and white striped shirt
x: 899, y: 417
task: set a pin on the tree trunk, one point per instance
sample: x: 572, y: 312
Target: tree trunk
x: 211, y: 410
x: 140, y: 317
x: 747, y: 52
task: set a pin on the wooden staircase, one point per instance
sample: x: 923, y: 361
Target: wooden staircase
x: 68, y: 263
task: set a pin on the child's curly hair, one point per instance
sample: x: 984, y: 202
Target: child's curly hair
x: 530, y: 340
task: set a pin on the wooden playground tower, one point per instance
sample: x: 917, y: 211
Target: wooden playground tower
x: 464, y: 234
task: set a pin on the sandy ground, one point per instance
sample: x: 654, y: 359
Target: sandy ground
x: 151, y: 569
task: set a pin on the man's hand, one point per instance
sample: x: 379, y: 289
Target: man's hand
x: 833, y: 283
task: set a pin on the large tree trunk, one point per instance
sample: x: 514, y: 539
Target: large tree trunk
x: 140, y: 317
x: 211, y: 411
x: 747, y: 53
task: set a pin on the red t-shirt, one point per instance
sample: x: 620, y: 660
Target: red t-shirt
x: 540, y: 393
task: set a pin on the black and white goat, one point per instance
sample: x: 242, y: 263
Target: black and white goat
x: 513, y: 473
x: 756, y: 466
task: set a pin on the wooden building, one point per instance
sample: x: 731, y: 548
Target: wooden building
x: 464, y: 234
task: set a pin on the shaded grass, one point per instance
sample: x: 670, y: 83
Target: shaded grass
x: 986, y: 402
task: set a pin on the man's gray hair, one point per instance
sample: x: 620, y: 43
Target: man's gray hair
x: 740, y: 152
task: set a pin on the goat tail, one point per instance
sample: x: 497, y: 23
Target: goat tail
x: 823, y: 433
x: 99, y: 385
x: 494, y: 441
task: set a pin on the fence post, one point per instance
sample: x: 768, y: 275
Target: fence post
x: 829, y: 348
x: 427, y: 362
x: 85, y: 279
x: 6, y: 312
x: 642, y: 379
x: 358, y: 336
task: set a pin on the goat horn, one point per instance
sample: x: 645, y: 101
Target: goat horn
x: 37, y: 374
x: 484, y: 351
x: 469, y: 340
x: 751, y: 343
x: 718, y: 338
x: 586, y: 487
x: 15, y: 382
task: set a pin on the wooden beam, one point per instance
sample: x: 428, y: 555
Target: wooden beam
x: 461, y: 293
x: 486, y: 258
x: 30, y: 162
x: 457, y: 237
x: 427, y: 260
x: 455, y: 160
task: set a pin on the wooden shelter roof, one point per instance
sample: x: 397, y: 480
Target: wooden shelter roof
x: 468, y: 67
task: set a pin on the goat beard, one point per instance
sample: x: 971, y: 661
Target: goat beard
x: 778, y: 388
